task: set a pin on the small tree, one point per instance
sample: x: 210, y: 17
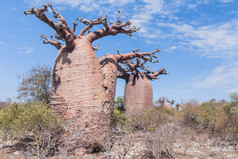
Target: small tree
x: 119, y: 104
x: 35, y: 84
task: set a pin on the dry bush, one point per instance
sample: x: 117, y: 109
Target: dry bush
x: 220, y: 118
x: 3, y: 105
x: 160, y: 142
x: 150, y: 119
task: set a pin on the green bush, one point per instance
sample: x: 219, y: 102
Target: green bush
x: 120, y: 104
x: 30, y: 119
x: 119, y: 118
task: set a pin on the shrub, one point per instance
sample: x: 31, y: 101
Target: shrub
x: 120, y: 104
x: 150, y: 119
x: 119, y: 118
x: 160, y: 142
x: 219, y: 117
x: 30, y: 119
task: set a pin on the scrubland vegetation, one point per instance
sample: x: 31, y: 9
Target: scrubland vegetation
x: 37, y: 132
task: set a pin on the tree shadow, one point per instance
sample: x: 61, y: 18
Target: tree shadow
x: 65, y: 60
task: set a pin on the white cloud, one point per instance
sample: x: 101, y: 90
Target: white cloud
x: 86, y: 6
x: 2, y: 43
x: 232, y: 90
x: 224, y: 76
x: 25, y: 50
x: 172, y: 48
x: 212, y: 41
x: 226, y: 1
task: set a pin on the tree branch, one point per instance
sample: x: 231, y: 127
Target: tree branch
x: 113, y: 29
x: 123, y: 72
x: 95, y: 48
x: 133, y: 54
x: 154, y: 75
x: 75, y: 25
x: 91, y: 23
x: 55, y: 43
x: 61, y: 27
x: 170, y: 102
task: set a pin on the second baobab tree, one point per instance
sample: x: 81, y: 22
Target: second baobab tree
x: 83, y: 87
x: 138, y: 89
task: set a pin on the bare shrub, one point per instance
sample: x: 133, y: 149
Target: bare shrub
x: 160, y: 142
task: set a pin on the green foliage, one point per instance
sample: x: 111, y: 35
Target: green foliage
x: 30, y: 119
x: 119, y: 118
x: 231, y: 108
x: 119, y: 104
x: 36, y: 84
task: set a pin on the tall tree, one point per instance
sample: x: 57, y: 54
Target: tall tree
x: 83, y: 86
x: 35, y: 84
x: 138, y: 89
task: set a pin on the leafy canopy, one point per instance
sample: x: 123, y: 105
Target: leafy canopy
x: 35, y: 84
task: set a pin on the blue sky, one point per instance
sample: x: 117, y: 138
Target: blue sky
x: 198, y: 42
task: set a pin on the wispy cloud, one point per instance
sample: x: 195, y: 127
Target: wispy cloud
x: 226, y: 1
x: 25, y: 50
x: 224, y: 76
x: 86, y: 6
x: 4, y: 44
x: 212, y: 41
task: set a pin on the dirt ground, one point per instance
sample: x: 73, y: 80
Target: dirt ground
x: 188, y: 145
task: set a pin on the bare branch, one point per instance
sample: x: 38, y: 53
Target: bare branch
x: 147, y: 71
x: 170, y: 102
x: 135, y: 50
x: 122, y: 70
x: 61, y: 21
x: 118, y: 52
x: 61, y: 27
x: 133, y: 54
x: 154, y: 75
x: 75, y: 25
x: 55, y: 43
x: 118, y: 18
x: 91, y: 23
x: 95, y: 48
x: 114, y: 29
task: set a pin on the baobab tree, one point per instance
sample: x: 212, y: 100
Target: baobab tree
x: 83, y: 86
x: 138, y: 89
x: 170, y: 103
x: 161, y: 102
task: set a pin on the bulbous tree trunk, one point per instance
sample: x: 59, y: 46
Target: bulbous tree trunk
x: 77, y: 93
x: 138, y: 93
x: 138, y: 89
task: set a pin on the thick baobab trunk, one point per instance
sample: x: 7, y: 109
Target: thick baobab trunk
x: 78, y: 96
x: 109, y: 71
x: 138, y: 94
x: 138, y: 89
